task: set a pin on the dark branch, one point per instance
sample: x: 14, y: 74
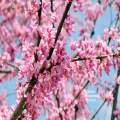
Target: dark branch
x: 60, y: 28
x: 18, y: 111
x: 76, y: 110
x: 40, y: 12
x: 21, y: 106
x: 97, y: 57
x: 76, y: 96
x: 51, y: 7
x: 98, y: 110
x: 58, y: 105
x: 115, y: 95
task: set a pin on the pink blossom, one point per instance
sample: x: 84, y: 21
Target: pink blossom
x: 73, y: 45
x: 34, y: 48
x: 118, y: 80
x: 117, y: 113
x: 109, y: 96
x: 117, y: 3
x: 94, y: 11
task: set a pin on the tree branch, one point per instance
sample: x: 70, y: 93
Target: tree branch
x: 97, y: 57
x: 76, y: 110
x: 98, y: 110
x: 51, y: 7
x: 76, y: 96
x: 12, y: 65
x: 60, y: 28
x: 21, y: 106
x: 33, y: 81
x: 58, y: 105
x: 115, y: 95
x: 18, y: 111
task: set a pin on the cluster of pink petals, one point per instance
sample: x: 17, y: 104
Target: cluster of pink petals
x: 4, y: 111
x: 64, y: 75
x: 111, y: 33
x: 118, y: 80
x: 117, y: 3
x: 117, y: 113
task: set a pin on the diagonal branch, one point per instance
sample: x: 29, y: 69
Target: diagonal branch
x: 115, y: 95
x: 76, y: 96
x: 21, y: 106
x: 98, y: 110
x: 60, y: 28
x: 12, y: 65
x: 58, y: 105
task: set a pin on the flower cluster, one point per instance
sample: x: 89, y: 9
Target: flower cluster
x: 35, y: 39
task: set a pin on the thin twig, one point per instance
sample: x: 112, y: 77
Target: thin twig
x: 101, y: 57
x: 98, y: 110
x: 76, y: 96
x: 58, y: 105
x: 12, y: 65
